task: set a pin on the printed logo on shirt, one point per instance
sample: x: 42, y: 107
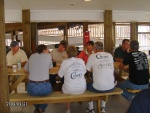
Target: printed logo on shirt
x: 76, y: 64
x: 75, y: 75
x: 76, y: 69
x: 107, y: 65
x: 99, y: 56
x: 140, y: 60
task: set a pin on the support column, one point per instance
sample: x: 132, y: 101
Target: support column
x: 85, y: 28
x: 4, y: 94
x: 133, y: 31
x: 114, y: 39
x: 113, y: 33
x: 12, y: 35
x: 108, y: 31
x: 34, y: 37
x: 66, y: 32
x: 26, y: 25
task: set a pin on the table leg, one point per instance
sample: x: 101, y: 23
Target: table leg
x: 16, y: 83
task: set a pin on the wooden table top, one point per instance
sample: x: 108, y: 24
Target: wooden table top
x: 19, y: 72
x: 116, y: 65
x: 53, y: 70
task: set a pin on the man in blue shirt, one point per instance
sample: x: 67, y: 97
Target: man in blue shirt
x: 140, y: 103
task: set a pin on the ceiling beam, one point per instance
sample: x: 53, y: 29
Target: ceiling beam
x: 9, y: 27
x: 13, y: 27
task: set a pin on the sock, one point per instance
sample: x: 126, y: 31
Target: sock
x: 90, y: 105
x: 103, y: 103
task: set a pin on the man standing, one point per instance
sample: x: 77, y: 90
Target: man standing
x: 101, y: 64
x: 121, y: 51
x: 138, y: 71
x: 16, y: 55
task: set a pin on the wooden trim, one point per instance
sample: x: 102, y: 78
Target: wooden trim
x: 4, y: 97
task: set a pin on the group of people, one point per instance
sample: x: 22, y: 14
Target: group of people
x: 138, y: 79
x: 91, y: 61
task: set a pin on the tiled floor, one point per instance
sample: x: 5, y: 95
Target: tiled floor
x: 115, y: 104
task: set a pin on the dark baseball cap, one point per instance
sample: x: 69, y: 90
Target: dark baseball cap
x: 13, y: 43
x: 134, y: 45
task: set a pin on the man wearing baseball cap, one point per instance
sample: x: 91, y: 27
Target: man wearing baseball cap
x: 16, y: 55
x: 138, y: 71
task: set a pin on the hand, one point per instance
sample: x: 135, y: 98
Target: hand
x: 9, y: 66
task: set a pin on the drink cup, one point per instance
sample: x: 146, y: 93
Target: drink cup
x: 14, y: 67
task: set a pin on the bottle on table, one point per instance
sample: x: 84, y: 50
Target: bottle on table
x: 19, y: 65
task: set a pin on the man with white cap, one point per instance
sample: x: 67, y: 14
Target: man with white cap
x: 16, y: 55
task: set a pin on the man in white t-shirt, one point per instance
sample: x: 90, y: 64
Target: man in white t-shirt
x: 101, y: 64
x: 16, y: 55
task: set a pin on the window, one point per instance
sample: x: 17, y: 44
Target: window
x: 122, y: 31
x: 144, y: 37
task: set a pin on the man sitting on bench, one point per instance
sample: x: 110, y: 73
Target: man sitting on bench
x: 101, y: 64
x: 38, y: 68
x: 138, y: 71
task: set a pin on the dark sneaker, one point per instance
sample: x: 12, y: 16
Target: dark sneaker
x: 89, y: 111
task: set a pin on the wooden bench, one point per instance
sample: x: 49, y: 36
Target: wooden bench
x: 59, y: 97
x: 133, y: 90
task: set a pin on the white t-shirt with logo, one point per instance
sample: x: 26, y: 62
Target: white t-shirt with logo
x: 102, y: 66
x: 73, y: 70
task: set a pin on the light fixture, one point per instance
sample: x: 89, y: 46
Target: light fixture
x: 72, y: 4
x: 87, y: 0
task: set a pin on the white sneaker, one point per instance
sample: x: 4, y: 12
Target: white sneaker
x: 103, y: 109
x: 68, y: 111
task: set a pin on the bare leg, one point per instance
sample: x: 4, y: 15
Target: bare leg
x: 68, y: 106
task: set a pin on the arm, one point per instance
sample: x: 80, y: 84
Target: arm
x: 61, y: 70
x: 26, y: 71
x: 26, y: 67
x: 23, y: 59
x: 23, y: 63
x: 118, y: 59
x: 121, y: 66
x: 117, y: 56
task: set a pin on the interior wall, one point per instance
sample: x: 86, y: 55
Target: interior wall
x: 76, y: 16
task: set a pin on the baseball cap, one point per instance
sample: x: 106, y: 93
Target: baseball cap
x: 134, y: 45
x: 13, y: 43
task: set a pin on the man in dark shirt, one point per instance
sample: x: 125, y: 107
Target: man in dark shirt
x: 120, y: 52
x: 141, y: 102
x: 138, y: 71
